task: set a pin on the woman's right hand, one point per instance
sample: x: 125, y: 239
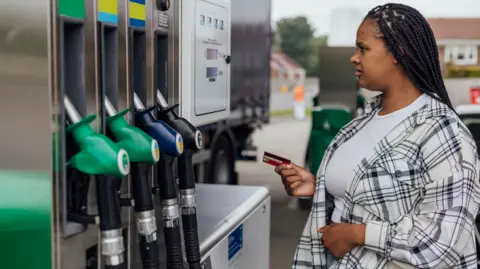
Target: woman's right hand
x: 297, y: 180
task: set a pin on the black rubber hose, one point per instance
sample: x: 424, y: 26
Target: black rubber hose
x: 192, y: 246
x: 108, y: 203
x: 168, y: 191
x: 149, y: 254
x: 190, y: 227
x: 173, y: 244
x: 141, y: 189
x: 142, y: 195
x: 165, y: 179
x: 186, y: 174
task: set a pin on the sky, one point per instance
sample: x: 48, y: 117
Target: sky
x: 318, y: 11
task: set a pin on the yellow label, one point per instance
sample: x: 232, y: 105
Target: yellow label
x: 108, y: 6
x: 137, y: 11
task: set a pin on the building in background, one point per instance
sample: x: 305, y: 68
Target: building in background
x: 286, y: 73
x: 458, y: 40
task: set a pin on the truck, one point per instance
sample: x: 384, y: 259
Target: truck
x: 123, y: 122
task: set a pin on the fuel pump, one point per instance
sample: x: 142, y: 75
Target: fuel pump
x: 171, y: 146
x: 143, y: 152
x: 109, y: 163
x: 193, y: 142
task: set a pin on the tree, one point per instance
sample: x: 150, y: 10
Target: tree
x: 315, y: 45
x: 295, y: 37
x: 296, y: 34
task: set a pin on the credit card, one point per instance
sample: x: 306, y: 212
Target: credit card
x: 274, y: 160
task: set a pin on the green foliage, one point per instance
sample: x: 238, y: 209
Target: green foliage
x: 315, y: 45
x: 295, y: 37
x: 463, y: 71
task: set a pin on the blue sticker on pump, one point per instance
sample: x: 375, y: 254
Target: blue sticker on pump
x: 235, y: 242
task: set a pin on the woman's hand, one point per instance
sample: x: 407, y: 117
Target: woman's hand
x: 297, y: 181
x: 340, y: 238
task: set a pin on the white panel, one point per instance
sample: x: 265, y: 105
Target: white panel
x: 205, y: 73
x: 210, y: 53
x: 255, y: 252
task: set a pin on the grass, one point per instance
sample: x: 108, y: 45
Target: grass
x: 288, y: 112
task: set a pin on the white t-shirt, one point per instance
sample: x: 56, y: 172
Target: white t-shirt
x: 344, y: 162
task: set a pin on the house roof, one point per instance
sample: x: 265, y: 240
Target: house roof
x: 285, y: 61
x: 455, y: 28
x: 275, y: 65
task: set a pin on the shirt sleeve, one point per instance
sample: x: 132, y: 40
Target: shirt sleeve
x: 435, y: 235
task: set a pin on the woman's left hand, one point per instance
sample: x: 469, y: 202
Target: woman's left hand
x: 340, y: 238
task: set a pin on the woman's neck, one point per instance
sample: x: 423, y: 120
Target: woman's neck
x: 399, y: 97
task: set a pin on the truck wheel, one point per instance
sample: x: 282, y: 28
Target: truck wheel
x: 222, y: 163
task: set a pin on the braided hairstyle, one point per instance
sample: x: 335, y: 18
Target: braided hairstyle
x: 410, y: 39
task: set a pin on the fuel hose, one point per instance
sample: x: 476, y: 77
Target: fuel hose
x: 109, y: 163
x: 193, y: 142
x: 171, y: 146
x: 143, y: 151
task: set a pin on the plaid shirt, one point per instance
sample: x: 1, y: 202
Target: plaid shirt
x: 418, y: 195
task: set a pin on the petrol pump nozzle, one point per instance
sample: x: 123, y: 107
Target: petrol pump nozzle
x: 98, y: 154
x: 193, y: 142
x: 103, y: 158
x: 143, y: 151
x: 170, y: 140
x: 192, y: 136
x: 141, y: 148
x: 171, y: 146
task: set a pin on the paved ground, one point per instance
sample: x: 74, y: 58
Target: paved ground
x: 288, y: 138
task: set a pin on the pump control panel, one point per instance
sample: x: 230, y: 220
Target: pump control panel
x: 205, y: 64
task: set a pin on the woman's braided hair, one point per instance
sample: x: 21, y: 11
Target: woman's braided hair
x: 410, y: 39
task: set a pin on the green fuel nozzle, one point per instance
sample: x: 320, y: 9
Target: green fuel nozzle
x: 98, y: 154
x: 141, y: 148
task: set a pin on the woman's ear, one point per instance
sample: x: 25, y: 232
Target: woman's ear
x: 392, y: 58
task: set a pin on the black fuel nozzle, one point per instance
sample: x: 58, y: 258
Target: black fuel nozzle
x: 171, y: 145
x: 193, y: 142
x: 192, y: 137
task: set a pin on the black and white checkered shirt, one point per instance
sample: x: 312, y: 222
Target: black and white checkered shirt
x: 418, y: 195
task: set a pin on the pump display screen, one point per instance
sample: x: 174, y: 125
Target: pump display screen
x: 212, y: 54
x: 211, y: 72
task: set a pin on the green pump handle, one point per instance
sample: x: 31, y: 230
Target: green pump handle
x: 98, y: 154
x: 141, y: 148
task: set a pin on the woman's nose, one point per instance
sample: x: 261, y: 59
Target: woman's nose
x: 354, y: 59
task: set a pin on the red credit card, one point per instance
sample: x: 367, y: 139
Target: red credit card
x: 273, y: 159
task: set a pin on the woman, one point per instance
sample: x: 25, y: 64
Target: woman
x: 398, y: 187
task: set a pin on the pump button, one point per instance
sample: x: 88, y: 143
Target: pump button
x: 163, y: 5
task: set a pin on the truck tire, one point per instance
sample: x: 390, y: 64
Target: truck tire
x: 222, y: 165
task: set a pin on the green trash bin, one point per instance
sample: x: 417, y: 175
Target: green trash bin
x: 326, y: 123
